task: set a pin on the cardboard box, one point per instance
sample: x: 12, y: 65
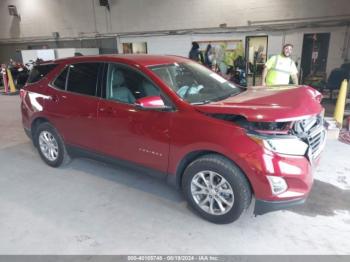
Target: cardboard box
x: 332, y: 128
x: 333, y: 133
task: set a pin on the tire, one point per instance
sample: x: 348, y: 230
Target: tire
x: 229, y: 186
x: 47, y: 137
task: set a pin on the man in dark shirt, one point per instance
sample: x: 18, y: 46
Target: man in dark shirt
x: 195, y: 54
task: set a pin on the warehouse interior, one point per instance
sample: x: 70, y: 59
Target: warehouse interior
x: 90, y: 207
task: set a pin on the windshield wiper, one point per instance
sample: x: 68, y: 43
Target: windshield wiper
x: 207, y: 101
x: 202, y: 102
x: 225, y: 96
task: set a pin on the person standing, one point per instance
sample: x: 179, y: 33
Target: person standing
x: 220, y: 59
x: 195, y: 54
x: 208, y: 56
x: 280, y: 68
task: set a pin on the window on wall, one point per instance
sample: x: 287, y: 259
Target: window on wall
x: 82, y: 78
x: 135, y: 48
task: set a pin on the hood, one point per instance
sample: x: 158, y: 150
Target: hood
x: 269, y: 104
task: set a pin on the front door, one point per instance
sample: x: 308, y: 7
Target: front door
x: 129, y: 133
x: 314, y: 57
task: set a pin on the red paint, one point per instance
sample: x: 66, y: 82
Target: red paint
x: 263, y: 104
x: 161, y: 139
x: 150, y: 101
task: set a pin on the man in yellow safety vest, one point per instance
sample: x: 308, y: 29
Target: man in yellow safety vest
x: 280, y: 68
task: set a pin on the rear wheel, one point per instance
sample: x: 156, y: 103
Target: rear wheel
x: 216, y: 189
x: 50, y: 145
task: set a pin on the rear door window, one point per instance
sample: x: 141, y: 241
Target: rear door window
x: 39, y: 72
x: 82, y: 78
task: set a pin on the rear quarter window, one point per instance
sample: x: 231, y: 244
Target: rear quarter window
x: 82, y: 78
x: 60, y: 81
x: 39, y: 72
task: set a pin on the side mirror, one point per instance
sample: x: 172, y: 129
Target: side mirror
x: 152, y: 103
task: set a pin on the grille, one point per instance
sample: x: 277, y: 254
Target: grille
x: 308, y: 124
x: 316, y: 141
x: 311, y: 130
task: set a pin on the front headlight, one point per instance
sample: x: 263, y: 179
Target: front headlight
x: 288, y: 145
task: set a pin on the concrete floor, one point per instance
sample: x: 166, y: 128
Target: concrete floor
x: 91, y: 208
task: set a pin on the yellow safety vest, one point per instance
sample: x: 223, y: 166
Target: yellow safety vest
x: 280, y: 69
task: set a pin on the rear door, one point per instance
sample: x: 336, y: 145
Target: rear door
x: 73, y: 102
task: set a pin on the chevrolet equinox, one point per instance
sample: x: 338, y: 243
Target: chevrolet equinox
x: 171, y: 117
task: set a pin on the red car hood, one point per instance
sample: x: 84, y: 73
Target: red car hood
x: 262, y: 104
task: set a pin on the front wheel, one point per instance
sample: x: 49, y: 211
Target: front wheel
x: 216, y: 188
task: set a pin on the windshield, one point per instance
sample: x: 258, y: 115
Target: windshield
x: 195, y: 83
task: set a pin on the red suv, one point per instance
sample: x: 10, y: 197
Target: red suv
x: 220, y: 143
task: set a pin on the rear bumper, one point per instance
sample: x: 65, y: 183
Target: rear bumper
x: 263, y: 207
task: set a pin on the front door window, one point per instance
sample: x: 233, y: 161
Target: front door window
x: 127, y: 85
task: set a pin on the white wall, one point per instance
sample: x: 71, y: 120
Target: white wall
x: 64, y: 52
x: 180, y: 45
x: 81, y: 18
x: 87, y: 51
x: 44, y: 54
x: 68, y: 52
x: 51, y: 54
x: 74, y: 18
x: 336, y: 44
x: 169, y: 45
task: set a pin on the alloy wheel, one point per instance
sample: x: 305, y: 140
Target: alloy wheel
x: 212, y: 192
x: 48, y: 145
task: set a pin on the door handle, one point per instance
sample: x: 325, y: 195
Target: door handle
x: 107, y: 110
x: 55, y: 98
